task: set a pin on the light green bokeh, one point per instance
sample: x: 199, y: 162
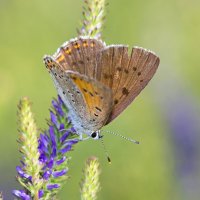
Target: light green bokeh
x: 30, y: 29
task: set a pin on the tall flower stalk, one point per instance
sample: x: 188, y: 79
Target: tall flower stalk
x: 44, y: 161
x: 90, y: 185
x: 29, y: 171
x: 93, y: 18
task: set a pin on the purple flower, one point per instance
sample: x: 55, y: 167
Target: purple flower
x: 57, y: 105
x: 21, y: 194
x: 72, y: 142
x: 53, y: 118
x: 43, y: 158
x: 59, y: 173
x: 66, y: 149
x: 53, y: 141
x: 47, y: 174
x: 50, y: 163
x: 53, y: 186
x: 64, y: 136
x: 62, y: 126
x: 58, y: 162
x: 22, y: 174
x: 41, y: 194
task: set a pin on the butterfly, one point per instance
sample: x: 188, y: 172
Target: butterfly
x: 97, y: 82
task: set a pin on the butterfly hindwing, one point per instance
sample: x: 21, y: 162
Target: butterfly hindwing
x: 125, y: 75
x: 97, y: 97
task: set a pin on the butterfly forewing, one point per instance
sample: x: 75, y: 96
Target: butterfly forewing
x: 89, y: 102
x: 79, y: 55
x: 66, y: 89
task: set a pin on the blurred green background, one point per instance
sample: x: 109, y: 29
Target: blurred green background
x: 165, y: 117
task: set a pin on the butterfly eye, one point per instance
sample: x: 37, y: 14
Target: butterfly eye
x: 95, y: 135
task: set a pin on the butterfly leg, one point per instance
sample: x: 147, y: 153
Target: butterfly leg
x: 81, y: 137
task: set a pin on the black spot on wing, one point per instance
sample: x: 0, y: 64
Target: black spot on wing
x: 126, y: 71
x: 91, y: 94
x: 134, y: 68
x: 99, y: 109
x: 119, y: 69
x: 125, y: 91
x: 116, y: 101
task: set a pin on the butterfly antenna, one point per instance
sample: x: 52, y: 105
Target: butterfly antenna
x: 106, y: 152
x: 123, y: 137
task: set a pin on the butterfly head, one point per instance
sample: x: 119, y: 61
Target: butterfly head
x: 96, y: 135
